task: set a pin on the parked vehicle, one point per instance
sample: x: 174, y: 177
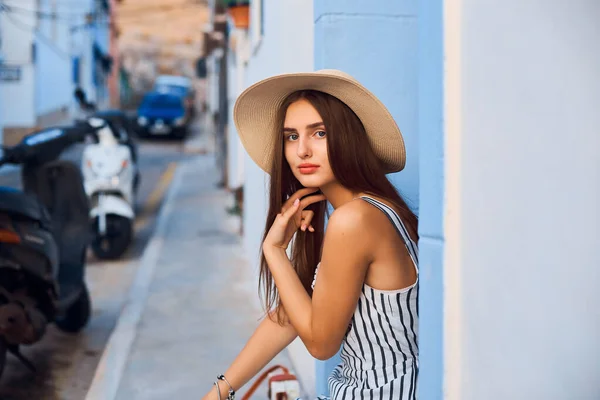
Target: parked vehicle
x: 123, y: 125
x: 177, y: 85
x: 111, y: 179
x: 44, y: 234
x: 162, y: 114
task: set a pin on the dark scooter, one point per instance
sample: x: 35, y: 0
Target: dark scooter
x: 44, y: 234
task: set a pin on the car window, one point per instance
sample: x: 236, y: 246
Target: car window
x: 172, y: 89
x: 162, y: 102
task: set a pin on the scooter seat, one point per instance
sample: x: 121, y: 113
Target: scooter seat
x: 16, y: 202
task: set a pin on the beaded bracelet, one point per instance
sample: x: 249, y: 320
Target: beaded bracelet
x: 231, y: 395
x: 216, y: 383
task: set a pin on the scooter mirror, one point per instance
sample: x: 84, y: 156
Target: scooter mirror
x: 96, y: 122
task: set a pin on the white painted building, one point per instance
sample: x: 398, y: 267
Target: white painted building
x: 281, y: 40
x: 48, y: 49
x: 17, y: 84
x: 237, y: 62
x: 521, y: 263
x: 53, y: 86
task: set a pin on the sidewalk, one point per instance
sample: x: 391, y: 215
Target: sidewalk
x: 198, y: 142
x: 192, y: 305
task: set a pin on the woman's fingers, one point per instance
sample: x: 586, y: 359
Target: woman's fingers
x: 305, y: 202
x: 306, y: 219
x: 298, y: 195
x: 294, y: 208
x: 290, y: 211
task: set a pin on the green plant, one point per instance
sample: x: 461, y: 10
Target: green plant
x: 232, y: 3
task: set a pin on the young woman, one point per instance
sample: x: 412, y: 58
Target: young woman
x: 324, y: 138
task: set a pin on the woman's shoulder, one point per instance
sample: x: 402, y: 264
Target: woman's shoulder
x: 356, y: 215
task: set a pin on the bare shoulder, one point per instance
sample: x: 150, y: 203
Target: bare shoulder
x: 355, y: 217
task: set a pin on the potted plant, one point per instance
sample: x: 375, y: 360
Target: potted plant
x: 239, y: 10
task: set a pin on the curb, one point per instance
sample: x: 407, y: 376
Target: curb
x: 201, y: 138
x: 196, y: 143
x: 111, y: 367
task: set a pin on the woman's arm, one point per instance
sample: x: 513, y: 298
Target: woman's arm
x: 268, y: 340
x: 322, y: 321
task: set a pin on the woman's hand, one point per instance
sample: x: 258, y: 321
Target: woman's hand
x: 291, y: 218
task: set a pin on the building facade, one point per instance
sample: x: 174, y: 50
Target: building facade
x: 49, y: 48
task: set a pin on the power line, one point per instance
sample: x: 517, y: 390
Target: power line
x: 42, y: 14
x: 57, y: 2
x: 73, y: 28
x: 134, y: 15
x: 58, y: 51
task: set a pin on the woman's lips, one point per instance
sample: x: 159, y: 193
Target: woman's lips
x: 308, y: 169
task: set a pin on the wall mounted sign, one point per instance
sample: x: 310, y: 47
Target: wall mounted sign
x: 10, y: 73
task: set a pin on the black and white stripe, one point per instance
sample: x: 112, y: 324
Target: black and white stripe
x: 380, y: 352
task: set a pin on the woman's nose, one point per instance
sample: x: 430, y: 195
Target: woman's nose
x: 303, y: 148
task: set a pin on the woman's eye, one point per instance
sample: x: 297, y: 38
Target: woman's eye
x: 292, y: 137
x: 321, y: 133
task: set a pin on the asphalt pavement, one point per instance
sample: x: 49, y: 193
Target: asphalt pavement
x: 67, y: 363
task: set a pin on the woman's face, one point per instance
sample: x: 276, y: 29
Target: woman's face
x: 305, y: 145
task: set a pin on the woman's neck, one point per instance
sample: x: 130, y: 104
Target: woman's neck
x: 337, y: 194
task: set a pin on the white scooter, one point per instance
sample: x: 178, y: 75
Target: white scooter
x: 109, y: 181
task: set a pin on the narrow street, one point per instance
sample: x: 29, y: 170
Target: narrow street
x: 66, y: 363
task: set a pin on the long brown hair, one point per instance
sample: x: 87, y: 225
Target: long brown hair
x: 354, y: 165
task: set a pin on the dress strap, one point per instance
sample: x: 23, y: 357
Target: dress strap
x: 395, y: 219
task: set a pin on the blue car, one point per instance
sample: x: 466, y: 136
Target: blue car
x: 163, y: 114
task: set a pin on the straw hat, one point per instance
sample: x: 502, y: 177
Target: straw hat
x: 255, y: 114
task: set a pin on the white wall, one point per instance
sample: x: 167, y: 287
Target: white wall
x: 82, y: 42
x: 237, y: 60
x: 522, y: 267
x: 287, y: 46
x: 17, y: 98
x: 81, y: 46
x: 53, y: 78
x: 16, y: 37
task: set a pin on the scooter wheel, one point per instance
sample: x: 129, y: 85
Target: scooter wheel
x: 3, y: 351
x: 116, y: 243
x: 77, y: 316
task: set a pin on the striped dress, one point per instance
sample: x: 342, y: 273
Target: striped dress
x: 380, y: 351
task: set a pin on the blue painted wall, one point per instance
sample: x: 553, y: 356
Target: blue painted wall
x: 431, y: 175
x: 376, y: 42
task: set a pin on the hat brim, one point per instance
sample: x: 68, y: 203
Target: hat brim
x: 255, y: 115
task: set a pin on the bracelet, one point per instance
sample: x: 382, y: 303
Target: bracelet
x: 216, y: 383
x: 231, y: 395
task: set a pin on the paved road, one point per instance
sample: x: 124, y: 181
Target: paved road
x: 66, y: 363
